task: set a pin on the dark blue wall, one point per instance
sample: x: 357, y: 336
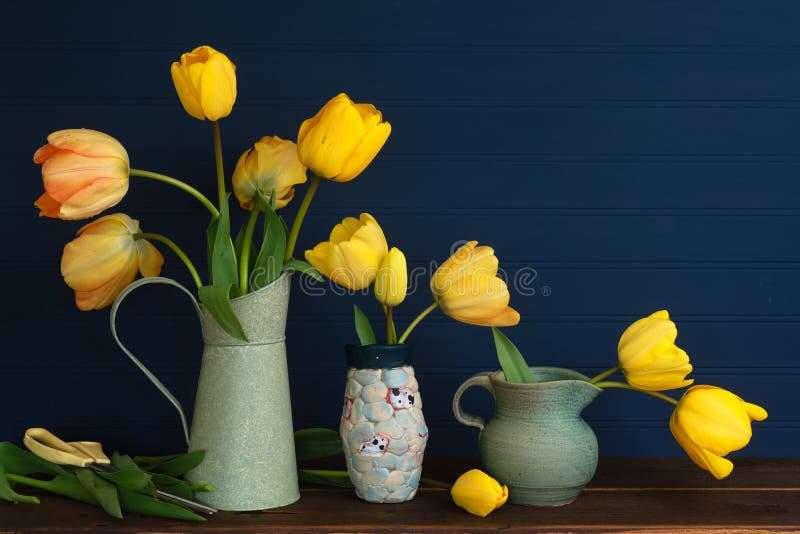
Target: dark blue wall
x: 637, y: 155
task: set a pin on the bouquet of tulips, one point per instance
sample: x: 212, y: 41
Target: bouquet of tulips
x: 86, y: 172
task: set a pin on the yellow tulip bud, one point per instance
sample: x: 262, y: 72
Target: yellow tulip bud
x: 341, y: 139
x: 354, y: 252
x: 205, y: 80
x: 710, y: 422
x: 84, y: 172
x: 648, y: 355
x: 271, y: 165
x: 468, y: 289
x: 391, y: 282
x: 478, y: 493
x: 104, y: 258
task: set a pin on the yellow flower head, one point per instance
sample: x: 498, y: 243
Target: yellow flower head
x: 478, y: 493
x: 341, y: 139
x: 84, y: 172
x: 649, y: 357
x: 205, y: 80
x: 391, y: 282
x: 468, y: 289
x: 104, y: 258
x: 271, y: 164
x: 354, y: 252
x: 709, y: 423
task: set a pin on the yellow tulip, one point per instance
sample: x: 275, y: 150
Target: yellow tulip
x: 205, y: 80
x: 83, y: 171
x: 341, y: 139
x: 710, y: 422
x: 391, y: 282
x: 478, y: 493
x: 648, y: 355
x: 271, y: 164
x: 104, y: 258
x: 354, y: 252
x: 468, y: 289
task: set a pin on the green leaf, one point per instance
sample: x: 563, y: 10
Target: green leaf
x: 363, y: 328
x: 139, y: 503
x: 21, y: 462
x: 216, y: 299
x: 103, y: 491
x: 147, y: 462
x: 64, y: 485
x: 269, y: 263
x: 511, y: 361
x: 314, y: 443
x: 223, y: 256
x: 123, y: 461
x: 7, y: 493
x: 304, y: 267
x: 133, y: 479
x: 181, y: 464
x: 338, y: 479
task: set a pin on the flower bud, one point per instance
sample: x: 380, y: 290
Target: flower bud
x: 205, y: 80
x: 392, y: 280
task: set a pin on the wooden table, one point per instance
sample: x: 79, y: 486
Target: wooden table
x: 641, y: 495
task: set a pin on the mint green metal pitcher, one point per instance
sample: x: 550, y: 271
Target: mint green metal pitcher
x: 242, y: 413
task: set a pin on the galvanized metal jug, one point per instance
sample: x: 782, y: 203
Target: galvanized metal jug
x: 242, y: 413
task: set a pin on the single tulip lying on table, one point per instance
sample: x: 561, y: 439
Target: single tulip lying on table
x: 708, y: 422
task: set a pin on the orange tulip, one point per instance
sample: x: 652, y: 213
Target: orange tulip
x: 468, y: 289
x: 104, y: 258
x: 84, y: 172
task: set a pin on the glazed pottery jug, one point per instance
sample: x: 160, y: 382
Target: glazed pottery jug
x: 536, y: 442
x: 242, y: 413
x: 382, y: 427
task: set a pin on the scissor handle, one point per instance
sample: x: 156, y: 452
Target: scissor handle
x: 47, y: 445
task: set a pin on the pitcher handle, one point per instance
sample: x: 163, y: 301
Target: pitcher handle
x: 156, y: 382
x: 481, y: 380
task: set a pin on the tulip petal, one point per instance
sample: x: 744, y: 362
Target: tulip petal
x: 96, y: 197
x: 716, y: 465
x: 187, y: 94
x: 150, y: 259
x: 217, y: 87
x: 353, y: 265
x: 318, y: 258
x: 89, y: 143
x: 444, y: 277
x: 43, y: 153
x: 49, y: 206
x: 104, y: 295
x: 755, y: 412
x: 89, y: 261
x: 364, y: 153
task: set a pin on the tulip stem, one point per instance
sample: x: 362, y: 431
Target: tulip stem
x: 416, y: 321
x: 301, y: 214
x: 389, y: 330
x: 180, y: 185
x: 244, y: 261
x: 604, y: 374
x: 623, y: 385
x: 218, y: 158
x: 178, y: 252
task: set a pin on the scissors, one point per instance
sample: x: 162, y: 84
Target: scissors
x: 87, y: 454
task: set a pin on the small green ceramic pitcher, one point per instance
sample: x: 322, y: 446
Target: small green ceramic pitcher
x: 536, y: 442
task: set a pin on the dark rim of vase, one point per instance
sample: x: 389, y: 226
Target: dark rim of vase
x: 378, y: 356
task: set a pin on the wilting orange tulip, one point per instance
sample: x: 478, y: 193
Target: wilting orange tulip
x: 468, y: 289
x: 205, y: 80
x: 84, y: 172
x: 104, y: 258
x: 271, y: 165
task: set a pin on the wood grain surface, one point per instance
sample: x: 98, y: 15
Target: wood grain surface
x: 627, y: 495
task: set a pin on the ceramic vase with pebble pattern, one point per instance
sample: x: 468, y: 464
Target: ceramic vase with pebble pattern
x: 382, y: 427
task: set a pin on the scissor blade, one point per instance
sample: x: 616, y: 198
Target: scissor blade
x: 105, y: 468
x: 194, y: 505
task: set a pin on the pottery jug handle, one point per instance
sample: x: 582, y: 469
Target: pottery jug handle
x: 482, y: 380
x: 113, y: 320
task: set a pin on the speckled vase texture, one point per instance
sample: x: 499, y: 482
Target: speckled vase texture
x: 243, y: 414
x: 383, y: 432
x: 536, y: 442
